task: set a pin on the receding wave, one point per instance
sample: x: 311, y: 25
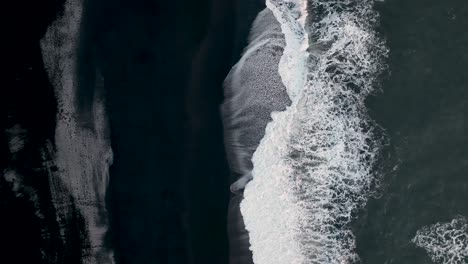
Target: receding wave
x: 253, y: 89
x: 446, y: 243
x: 314, y: 166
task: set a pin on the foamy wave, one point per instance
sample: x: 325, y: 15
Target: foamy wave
x: 446, y: 243
x: 291, y: 15
x: 314, y: 167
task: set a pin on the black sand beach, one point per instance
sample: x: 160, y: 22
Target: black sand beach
x: 163, y: 64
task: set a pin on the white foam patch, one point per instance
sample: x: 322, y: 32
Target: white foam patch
x: 291, y: 15
x: 314, y: 167
x: 16, y: 138
x: 446, y: 243
x: 22, y: 190
x: 15, y: 179
x: 83, y: 156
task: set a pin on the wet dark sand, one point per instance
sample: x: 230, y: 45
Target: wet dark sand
x: 163, y: 64
x: 29, y: 228
x: 239, y: 252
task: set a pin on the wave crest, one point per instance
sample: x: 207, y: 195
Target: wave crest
x: 314, y: 167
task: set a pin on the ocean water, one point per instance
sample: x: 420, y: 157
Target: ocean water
x: 424, y: 111
x: 369, y: 161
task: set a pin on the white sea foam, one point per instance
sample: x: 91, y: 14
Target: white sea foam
x: 314, y: 167
x: 83, y: 156
x: 446, y: 243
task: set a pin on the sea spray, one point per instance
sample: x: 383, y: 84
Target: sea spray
x: 314, y: 167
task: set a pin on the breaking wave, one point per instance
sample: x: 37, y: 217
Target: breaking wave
x: 446, y: 243
x: 314, y: 166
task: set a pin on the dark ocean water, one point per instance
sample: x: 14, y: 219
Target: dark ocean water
x: 424, y: 111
